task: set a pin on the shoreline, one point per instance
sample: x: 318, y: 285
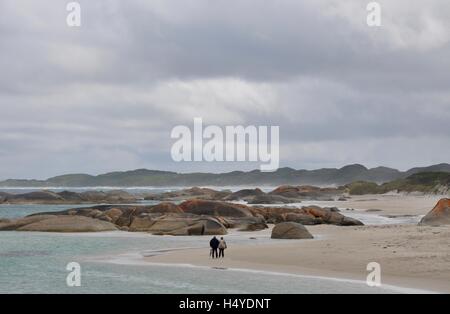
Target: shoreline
x: 147, y: 259
x: 335, y: 254
x: 392, y: 288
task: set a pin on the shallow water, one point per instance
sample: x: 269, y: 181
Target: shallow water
x: 16, y: 211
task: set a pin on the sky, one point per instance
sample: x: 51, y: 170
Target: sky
x: 105, y: 96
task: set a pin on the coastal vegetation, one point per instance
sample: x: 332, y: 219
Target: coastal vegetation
x: 424, y: 182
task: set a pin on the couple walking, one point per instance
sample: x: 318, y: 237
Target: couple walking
x: 215, y: 245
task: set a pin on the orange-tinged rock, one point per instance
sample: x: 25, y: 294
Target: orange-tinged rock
x: 213, y: 208
x: 439, y: 215
x: 166, y: 208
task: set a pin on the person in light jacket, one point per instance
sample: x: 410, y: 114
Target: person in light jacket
x: 222, y: 247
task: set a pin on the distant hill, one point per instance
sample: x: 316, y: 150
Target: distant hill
x: 144, y: 177
x: 425, y: 182
x: 434, y: 168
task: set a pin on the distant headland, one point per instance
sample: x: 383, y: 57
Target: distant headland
x: 144, y: 177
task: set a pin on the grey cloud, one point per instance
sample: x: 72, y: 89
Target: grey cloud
x: 105, y: 96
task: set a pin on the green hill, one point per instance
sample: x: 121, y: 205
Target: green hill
x: 426, y: 182
x: 319, y: 177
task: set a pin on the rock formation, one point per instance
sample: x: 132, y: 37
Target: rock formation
x: 307, y: 192
x: 192, y: 217
x: 67, y: 197
x: 290, y: 230
x: 195, y: 192
x: 310, y: 215
x: 282, y: 195
x: 244, y: 195
x: 49, y: 223
x: 214, y: 208
x: 185, y: 226
x: 439, y: 215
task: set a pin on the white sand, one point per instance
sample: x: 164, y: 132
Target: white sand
x: 409, y: 255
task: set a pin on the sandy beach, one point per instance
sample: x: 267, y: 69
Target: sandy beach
x: 410, y: 256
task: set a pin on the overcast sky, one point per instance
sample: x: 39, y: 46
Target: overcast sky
x: 105, y: 96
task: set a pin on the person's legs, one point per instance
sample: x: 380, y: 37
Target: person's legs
x: 221, y: 253
x: 215, y: 253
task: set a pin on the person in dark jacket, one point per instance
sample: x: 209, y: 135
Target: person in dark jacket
x: 214, y: 244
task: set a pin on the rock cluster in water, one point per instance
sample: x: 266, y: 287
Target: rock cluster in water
x: 68, y: 197
x: 192, y: 217
x: 281, y: 195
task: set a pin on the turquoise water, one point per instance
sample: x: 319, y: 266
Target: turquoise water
x: 16, y: 211
x: 32, y: 262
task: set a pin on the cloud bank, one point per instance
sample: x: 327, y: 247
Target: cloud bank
x: 105, y: 96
